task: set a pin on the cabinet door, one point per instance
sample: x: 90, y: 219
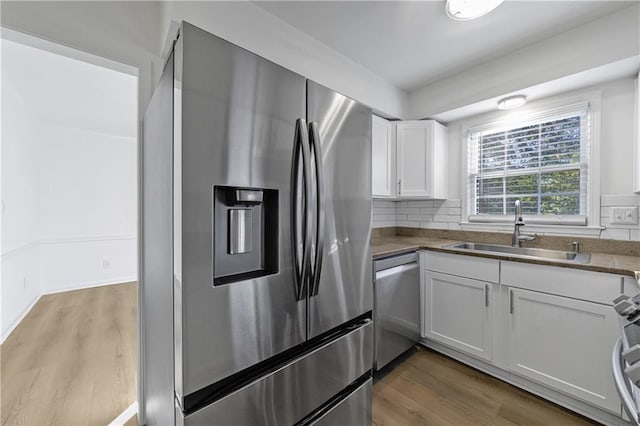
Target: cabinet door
x: 383, y: 157
x: 564, y: 343
x: 458, y: 313
x: 414, y: 150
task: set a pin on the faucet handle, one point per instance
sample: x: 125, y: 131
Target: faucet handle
x: 575, y: 246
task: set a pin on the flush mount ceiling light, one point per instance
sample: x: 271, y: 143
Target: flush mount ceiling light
x: 512, y: 102
x: 463, y: 10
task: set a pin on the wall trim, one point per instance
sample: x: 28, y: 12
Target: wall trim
x: 17, y: 321
x: 85, y: 239
x: 19, y: 249
x: 64, y: 240
x: 91, y: 284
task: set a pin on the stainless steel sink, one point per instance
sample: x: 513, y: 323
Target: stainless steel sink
x: 566, y: 256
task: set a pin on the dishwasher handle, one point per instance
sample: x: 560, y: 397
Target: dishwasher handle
x: 396, y: 270
x: 393, y: 261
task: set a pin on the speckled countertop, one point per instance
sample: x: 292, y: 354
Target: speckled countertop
x: 599, y: 262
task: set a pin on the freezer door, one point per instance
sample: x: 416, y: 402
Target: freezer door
x: 236, y: 125
x: 289, y: 394
x: 344, y: 288
x: 354, y: 410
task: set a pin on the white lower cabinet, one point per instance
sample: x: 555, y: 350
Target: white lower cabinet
x: 543, y: 327
x: 458, y: 313
x: 563, y: 343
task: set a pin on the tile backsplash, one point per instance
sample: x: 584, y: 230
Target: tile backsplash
x: 618, y: 232
x: 447, y: 214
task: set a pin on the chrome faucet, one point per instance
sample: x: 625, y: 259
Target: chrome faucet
x: 517, y: 238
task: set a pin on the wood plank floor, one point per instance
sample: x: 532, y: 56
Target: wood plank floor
x: 431, y: 389
x: 72, y: 360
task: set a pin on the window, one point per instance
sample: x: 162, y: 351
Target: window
x: 541, y: 159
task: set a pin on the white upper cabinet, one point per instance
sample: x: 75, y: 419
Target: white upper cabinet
x: 409, y: 159
x: 422, y: 156
x: 383, y: 137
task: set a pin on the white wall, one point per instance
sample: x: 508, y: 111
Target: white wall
x: 87, y: 209
x: 69, y: 194
x: 251, y: 27
x: 609, y: 39
x: 129, y: 32
x: 20, y: 222
x: 616, y: 165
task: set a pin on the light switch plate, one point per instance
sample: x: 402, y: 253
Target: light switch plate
x: 624, y: 215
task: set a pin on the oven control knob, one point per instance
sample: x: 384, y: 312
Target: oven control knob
x: 633, y: 373
x: 625, y: 307
x: 632, y: 355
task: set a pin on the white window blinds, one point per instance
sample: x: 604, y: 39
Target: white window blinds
x: 541, y: 159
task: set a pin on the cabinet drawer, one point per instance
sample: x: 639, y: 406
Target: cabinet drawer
x: 577, y: 284
x: 465, y: 266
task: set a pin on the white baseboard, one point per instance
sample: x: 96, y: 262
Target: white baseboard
x: 91, y: 284
x: 18, y: 320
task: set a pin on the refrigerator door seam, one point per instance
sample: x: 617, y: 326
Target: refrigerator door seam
x: 314, y: 138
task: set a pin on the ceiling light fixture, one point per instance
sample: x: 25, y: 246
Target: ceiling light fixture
x: 512, y: 102
x: 463, y: 10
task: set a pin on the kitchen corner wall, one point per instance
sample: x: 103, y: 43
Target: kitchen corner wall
x: 69, y: 212
x: 616, y: 169
x: 428, y: 214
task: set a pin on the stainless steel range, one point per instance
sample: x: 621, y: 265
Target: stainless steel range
x: 626, y: 356
x: 256, y: 269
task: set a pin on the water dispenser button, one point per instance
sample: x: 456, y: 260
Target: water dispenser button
x: 248, y: 196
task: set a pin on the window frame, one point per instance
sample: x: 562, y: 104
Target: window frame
x: 587, y: 224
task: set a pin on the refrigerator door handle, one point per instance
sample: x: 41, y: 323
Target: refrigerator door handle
x: 301, y: 265
x: 314, y: 138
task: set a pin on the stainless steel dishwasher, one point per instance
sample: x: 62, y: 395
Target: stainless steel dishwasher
x: 396, y: 306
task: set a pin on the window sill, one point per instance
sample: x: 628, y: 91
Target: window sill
x: 593, y: 231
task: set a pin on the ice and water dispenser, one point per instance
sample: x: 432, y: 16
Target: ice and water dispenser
x: 245, y: 233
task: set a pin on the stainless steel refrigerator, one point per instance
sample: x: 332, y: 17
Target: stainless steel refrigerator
x: 256, y: 274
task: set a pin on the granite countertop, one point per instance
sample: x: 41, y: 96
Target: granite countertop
x: 599, y: 262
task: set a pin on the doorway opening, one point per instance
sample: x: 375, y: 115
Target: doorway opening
x: 69, y: 179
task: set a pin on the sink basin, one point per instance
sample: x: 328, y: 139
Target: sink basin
x: 567, y: 256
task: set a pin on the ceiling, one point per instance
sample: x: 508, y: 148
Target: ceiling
x: 69, y: 92
x: 413, y: 43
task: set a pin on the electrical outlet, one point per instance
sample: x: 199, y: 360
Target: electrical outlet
x: 106, y: 264
x: 624, y: 215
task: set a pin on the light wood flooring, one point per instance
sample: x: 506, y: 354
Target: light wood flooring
x: 72, y: 360
x: 431, y: 389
